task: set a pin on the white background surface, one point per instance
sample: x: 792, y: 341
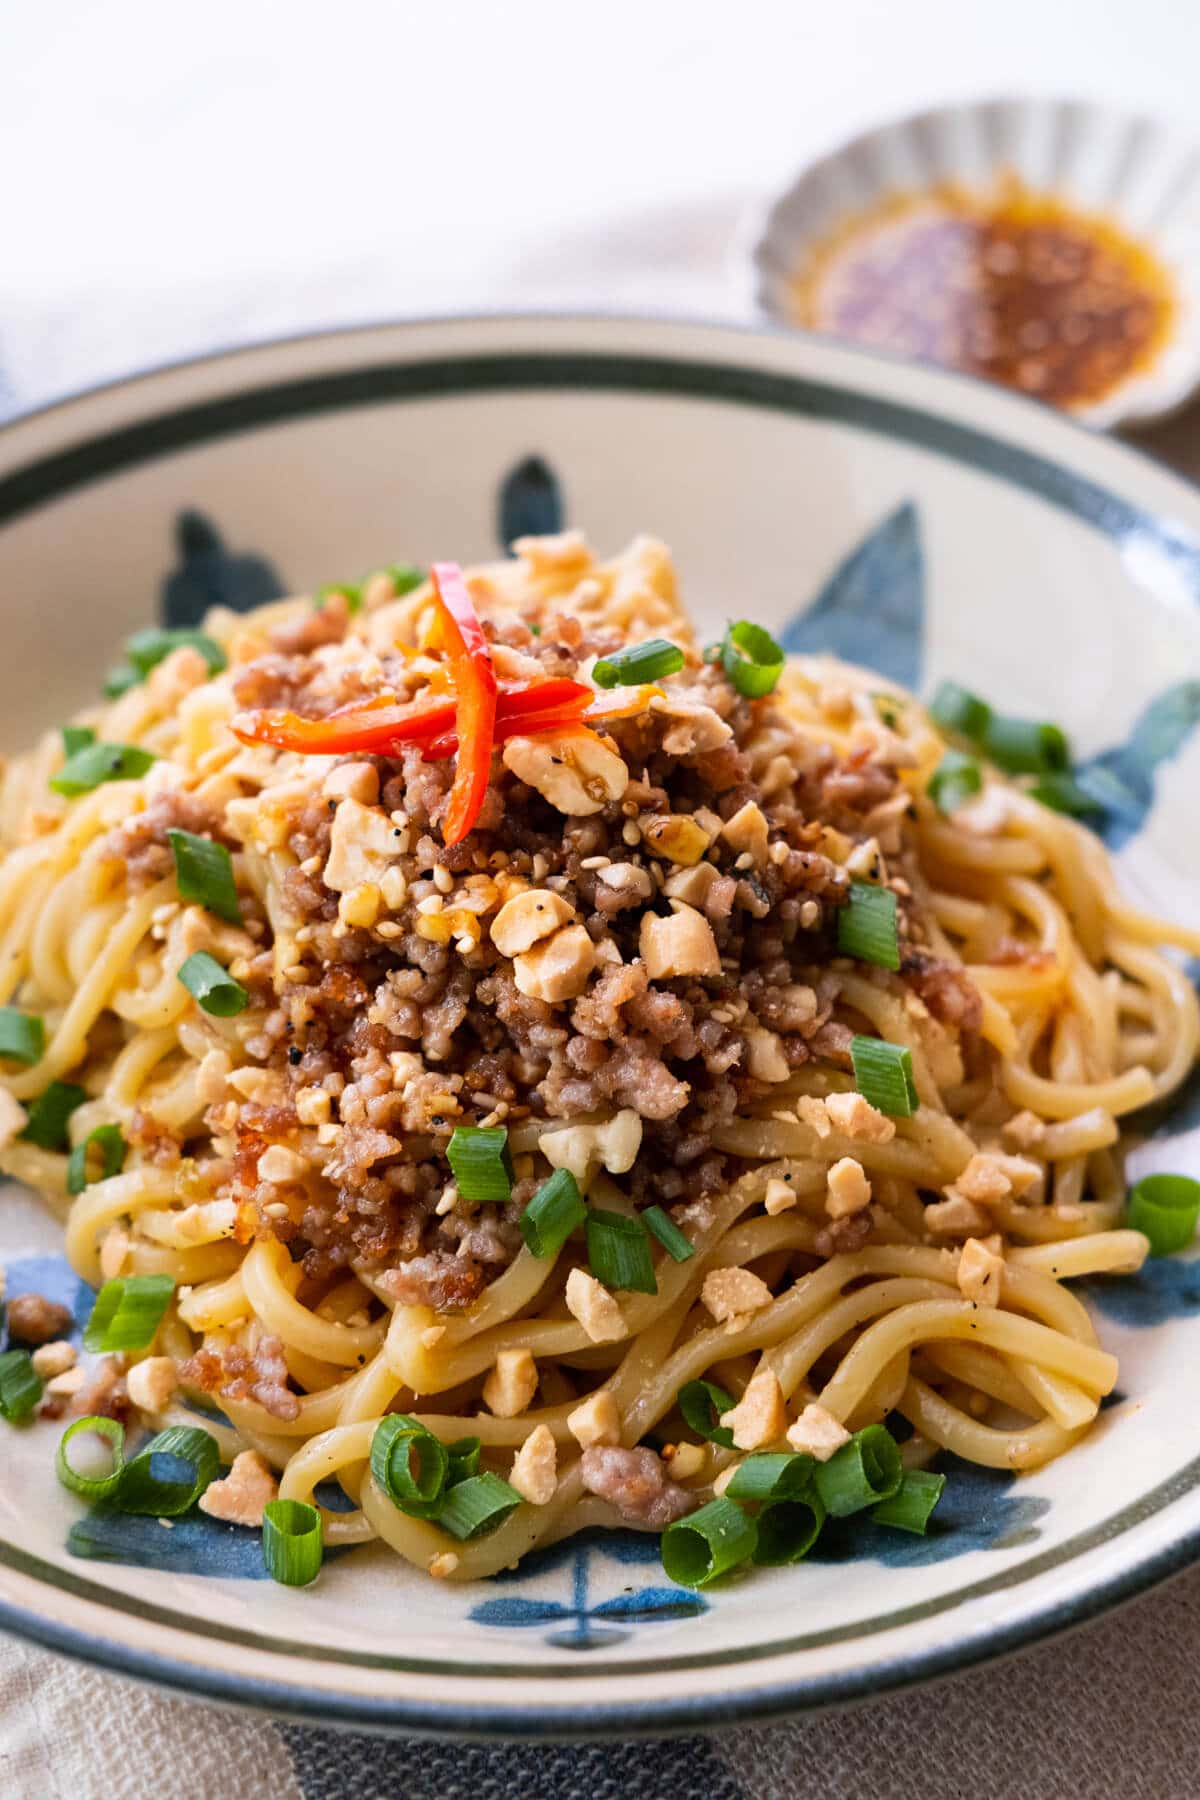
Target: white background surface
x: 178, y: 177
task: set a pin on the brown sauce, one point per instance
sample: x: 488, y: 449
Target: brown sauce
x: 1015, y: 286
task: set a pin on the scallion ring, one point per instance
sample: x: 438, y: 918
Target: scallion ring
x: 92, y: 1487
x: 866, y: 926
x: 957, y: 779
x: 46, y: 1123
x: 1165, y: 1208
x: 702, y: 1404
x: 708, y: 1543
x: 20, y: 1385
x: 553, y: 1214
x: 204, y: 875
x: 127, y: 1314
x: 909, y: 1508
x: 97, y: 763
x: 293, y: 1548
x: 677, y: 1244
x: 107, y: 1140
x: 618, y: 1252
x: 481, y: 1162
x: 213, y: 988
x: 409, y: 1464
x: 883, y: 1074
x: 771, y: 1475
x: 788, y: 1529
x: 477, y: 1505
x: 638, y: 663
x: 751, y: 659
x: 863, y: 1472
x: 168, y: 1476
x: 22, y: 1035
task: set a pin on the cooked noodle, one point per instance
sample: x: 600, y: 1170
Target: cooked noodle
x: 1040, y: 1012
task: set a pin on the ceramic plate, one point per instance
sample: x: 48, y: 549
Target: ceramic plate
x: 926, y: 524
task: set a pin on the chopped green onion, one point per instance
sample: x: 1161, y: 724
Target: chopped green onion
x: 146, y: 649
x: 788, y: 1529
x: 46, y: 1124
x: 677, y: 1245
x: 118, y: 681
x: 151, y: 1485
x: 405, y: 577
x: 77, y: 737
x: 291, y: 1541
x: 751, y: 659
x: 1062, y: 793
x: 128, y: 1313
x: 92, y: 1487
x: 956, y: 780
x: 477, y: 1505
x: 212, y: 987
x: 20, y: 1385
x: 619, y: 1252
x: 883, y: 1074
x: 204, y: 874
x: 866, y: 926
x: 111, y: 1145
x: 464, y: 1455
x: 1165, y: 1209
x: 553, y: 1213
x: 1025, y: 746
x: 481, y: 1162
x: 351, y: 592
x: 866, y: 1470
x: 640, y: 662
x: 97, y: 763
x: 22, y: 1035
x: 410, y: 1465
x: 955, y: 710
x: 708, y: 1543
x: 909, y: 1507
x: 702, y: 1403
x: 772, y: 1475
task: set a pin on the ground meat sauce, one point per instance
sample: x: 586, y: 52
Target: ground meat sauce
x: 381, y: 1038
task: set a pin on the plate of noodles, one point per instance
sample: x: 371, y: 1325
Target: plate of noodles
x: 598, y: 1025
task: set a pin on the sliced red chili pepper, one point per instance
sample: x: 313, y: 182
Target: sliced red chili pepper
x: 530, y: 724
x: 375, y: 729
x: 474, y: 681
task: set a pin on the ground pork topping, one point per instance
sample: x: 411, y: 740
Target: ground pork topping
x: 636, y: 1484
x: 642, y: 921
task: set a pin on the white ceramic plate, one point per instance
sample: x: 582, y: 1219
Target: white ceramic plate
x: 1140, y: 172
x: 932, y: 525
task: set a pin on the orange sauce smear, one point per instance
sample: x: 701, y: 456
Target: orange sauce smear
x: 1013, y: 285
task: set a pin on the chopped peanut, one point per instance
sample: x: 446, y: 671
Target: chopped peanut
x: 815, y: 1114
x: 558, y: 967
x: 684, y: 1460
x: 361, y: 843
x: 151, y: 1383
x: 611, y: 1144
x: 980, y: 1273
x: 817, y: 1432
x: 760, y: 1416
x: 53, y: 1359
x: 731, y: 1293
x: 681, y: 945
x: 1024, y: 1129
x: 278, y: 1163
x: 765, y: 1059
x: 535, y: 1467
x: 956, y: 1217
x: 695, y: 727
x: 627, y: 876
x: 212, y: 1077
x: 353, y: 781
x: 595, y: 1421
x: 594, y: 1307
x: 779, y: 1197
x: 12, y: 1118
x: 247, y: 1489
x: 849, y: 1191
x: 443, y: 1565
x: 855, y: 1117
x: 512, y: 1384
x: 691, y: 885
x: 114, y: 1249
x: 747, y: 832
x: 527, y: 918
x: 990, y: 1175
x: 578, y: 774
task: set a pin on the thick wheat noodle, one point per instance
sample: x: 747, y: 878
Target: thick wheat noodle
x: 1081, y: 1024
